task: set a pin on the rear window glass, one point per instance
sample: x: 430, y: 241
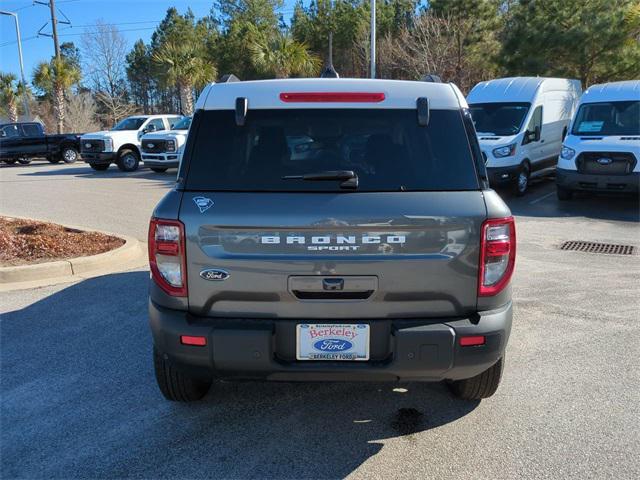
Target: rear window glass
x: 386, y: 149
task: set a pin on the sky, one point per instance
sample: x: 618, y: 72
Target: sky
x: 134, y: 18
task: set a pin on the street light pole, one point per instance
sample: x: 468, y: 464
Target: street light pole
x: 373, y: 38
x: 24, y: 82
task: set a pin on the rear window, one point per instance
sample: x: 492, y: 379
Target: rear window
x: 387, y: 150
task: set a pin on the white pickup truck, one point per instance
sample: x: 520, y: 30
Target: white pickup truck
x: 121, y: 144
x: 163, y: 150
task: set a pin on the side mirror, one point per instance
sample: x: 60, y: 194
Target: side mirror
x: 3, y: 133
x: 537, y: 133
x: 564, y: 133
x: 149, y: 128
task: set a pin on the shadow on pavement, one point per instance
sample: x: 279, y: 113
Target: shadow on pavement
x: 542, y: 192
x: 84, y: 171
x: 79, y: 399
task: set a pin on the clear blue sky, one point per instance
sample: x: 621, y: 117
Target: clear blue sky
x: 135, y: 19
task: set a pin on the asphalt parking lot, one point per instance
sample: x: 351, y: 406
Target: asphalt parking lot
x: 79, y: 399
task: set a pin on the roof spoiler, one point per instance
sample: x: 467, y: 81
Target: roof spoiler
x: 242, y: 105
x: 422, y: 107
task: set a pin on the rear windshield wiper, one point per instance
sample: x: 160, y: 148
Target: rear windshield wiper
x: 348, y: 178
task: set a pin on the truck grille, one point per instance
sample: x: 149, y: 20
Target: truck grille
x: 605, y: 163
x: 90, y: 146
x: 154, y: 146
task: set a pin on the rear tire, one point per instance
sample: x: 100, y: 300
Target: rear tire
x: 159, y: 169
x: 24, y: 161
x: 69, y: 155
x: 522, y: 180
x: 128, y: 160
x: 99, y: 166
x: 481, y: 386
x: 174, y: 384
x: 10, y: 161
x: 564, y: 193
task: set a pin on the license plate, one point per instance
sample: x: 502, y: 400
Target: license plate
x: 319, y: 341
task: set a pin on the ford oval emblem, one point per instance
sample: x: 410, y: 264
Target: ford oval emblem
x: 87, y: 145
x: 214, y: 274
x: 604, y: 161
x: 333, y: 345
x: 150, y: 145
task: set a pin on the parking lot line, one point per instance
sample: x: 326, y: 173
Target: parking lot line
x: 541, y: 198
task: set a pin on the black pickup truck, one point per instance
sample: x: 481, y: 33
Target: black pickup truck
x: 22, y: 142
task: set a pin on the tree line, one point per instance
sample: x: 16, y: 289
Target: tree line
x: 464, y: 41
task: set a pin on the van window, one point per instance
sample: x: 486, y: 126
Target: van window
x: 501, y: 119
x: 608, y: 118
x: 536, y: 120
x: 387, y: 150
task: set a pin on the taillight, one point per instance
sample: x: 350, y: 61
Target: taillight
x: 342, y: 97
x: 167, y: 259
x: 497, y: 255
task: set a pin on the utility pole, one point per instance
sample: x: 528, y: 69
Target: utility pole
x: 54, y: 27
x: 373, y: 38
x: 25, y: 101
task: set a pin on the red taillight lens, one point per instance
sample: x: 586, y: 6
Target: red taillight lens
x: 167, y: 259
x: 472, y: 341
x: 497, y: 255
x: 195, y: 341
x: 345, y: 97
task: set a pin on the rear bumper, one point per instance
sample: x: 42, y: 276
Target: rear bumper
x: 503, y: 175
x: 573, y: 180
x: 102, y: 158
x: 160, y: 159
x: 403, y: 349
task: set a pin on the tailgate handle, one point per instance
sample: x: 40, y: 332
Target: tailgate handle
x: 333, y: 284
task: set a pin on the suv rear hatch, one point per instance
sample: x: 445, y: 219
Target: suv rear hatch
x: 403, y: 244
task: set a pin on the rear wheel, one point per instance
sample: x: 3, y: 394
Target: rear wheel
x: 481, y: 386
x: 159, y: 169
x: 10, y: 161
x: 99, y: 166
x: 174, y: 384
x: 69, y: 155
x: 522, y: 180
x: 24, y: 161
x: 564, y: 193
x: 128, y: 161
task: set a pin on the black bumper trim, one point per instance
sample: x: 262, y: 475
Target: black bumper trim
x: 503, y: 175
x: 419, y: 349
x: 101, y: 158
x: 574, y: 180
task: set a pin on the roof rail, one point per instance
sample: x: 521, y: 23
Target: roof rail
x: 229, y: 77
x: 431, y: 77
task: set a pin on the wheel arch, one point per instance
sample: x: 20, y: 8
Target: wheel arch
x: 129, y: 146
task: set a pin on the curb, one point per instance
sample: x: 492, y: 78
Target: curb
x: 128, y: 256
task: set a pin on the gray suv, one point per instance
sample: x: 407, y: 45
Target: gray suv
x: 331, y: 229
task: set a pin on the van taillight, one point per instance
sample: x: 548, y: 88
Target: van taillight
x: 167, y: 259
x: 497, y: 255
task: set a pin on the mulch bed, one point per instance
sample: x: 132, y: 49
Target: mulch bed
x: 24, y: 242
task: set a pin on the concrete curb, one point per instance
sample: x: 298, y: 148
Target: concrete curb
x: 128, y: 256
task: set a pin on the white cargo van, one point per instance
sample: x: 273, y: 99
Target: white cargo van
x: 520, y: 123
x: 602, y: 151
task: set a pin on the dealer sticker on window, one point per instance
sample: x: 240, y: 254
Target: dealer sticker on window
x: 332, y: 341
x: 594, y: 126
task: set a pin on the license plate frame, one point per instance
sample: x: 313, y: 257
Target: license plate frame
x: 348, y: 342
